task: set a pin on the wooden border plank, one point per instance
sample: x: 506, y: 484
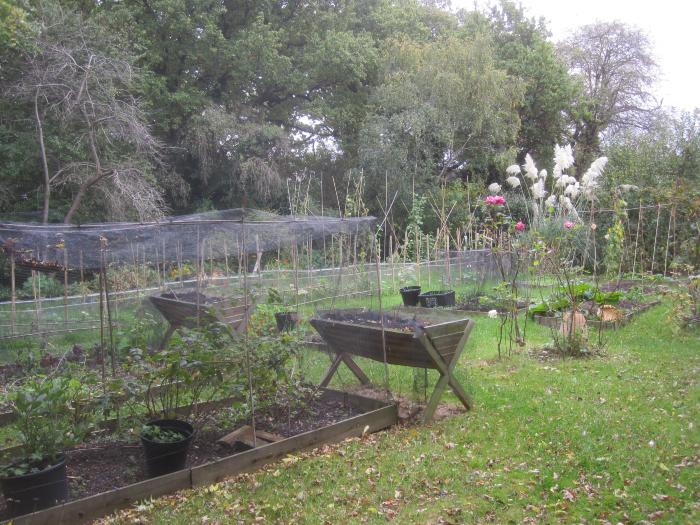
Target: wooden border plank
x: 253, y: 459
x: 379, y: 416
x: 92, y: 507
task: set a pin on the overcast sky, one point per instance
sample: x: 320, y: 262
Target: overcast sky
x: 672, y: 26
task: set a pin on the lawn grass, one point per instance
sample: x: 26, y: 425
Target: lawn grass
x: 611, y: 439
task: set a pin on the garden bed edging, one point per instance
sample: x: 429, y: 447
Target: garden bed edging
x: 379, y: 416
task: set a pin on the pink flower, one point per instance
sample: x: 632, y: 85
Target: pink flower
x: 568, y: 225
x: 520, y: 226
x: 495, y: 200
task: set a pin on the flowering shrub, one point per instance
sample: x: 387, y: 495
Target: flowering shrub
x: 495, y: 200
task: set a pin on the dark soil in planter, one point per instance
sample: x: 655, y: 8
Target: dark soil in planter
x: 373, y: 319
x: 191, y: 297
x: 165, y: 457
x: 106, y: 464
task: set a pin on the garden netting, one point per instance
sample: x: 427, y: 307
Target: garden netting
x: 209, y: 235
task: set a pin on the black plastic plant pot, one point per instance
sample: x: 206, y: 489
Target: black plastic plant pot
x: 437, y: 298
x: 286, y: 321
x: 36, y: 491
x: 410, y: 294
x: 164, y: 458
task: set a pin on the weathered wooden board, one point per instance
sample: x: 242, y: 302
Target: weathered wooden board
x: 379, y: 415
x: 401, y: 346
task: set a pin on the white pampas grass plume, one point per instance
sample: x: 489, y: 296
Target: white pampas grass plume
x: 564, y: 180
x: 531, y: 171
x: 557, y: 171
x: 494, y: 188
x: 551, y: 201
x: 543, y: 174
x: 561, y: 181
x: 563, y: 156
x: 589, y: 181
x: 572, y: 190
x: 538, y: 191
x: 513, y: 169
x: 565, y: 202
x: 513, y: 182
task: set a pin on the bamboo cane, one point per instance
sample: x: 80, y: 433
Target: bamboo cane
x: 656, y: 236
x: 13, y: 291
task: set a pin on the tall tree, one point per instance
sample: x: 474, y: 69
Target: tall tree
x: 442, y: 108
x: 75, y: 86
x: 523, y: 50
x: 614, y: 65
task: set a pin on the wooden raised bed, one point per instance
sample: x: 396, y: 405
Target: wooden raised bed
x: 416, y: 337
x: 555, y: 322
x: 181, y: 309
x: 378, y: 416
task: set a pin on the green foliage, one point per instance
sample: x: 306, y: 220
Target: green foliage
x: 143, y: 332
x: 42, y: 285
x: 190, y: 369
x: 14, y: 24
x: 161, y: 435
x: 437, y: 105
x: 565, y: 295
x: 52, y: 413
x: 657, y: 166
x: 684, y: 313
x: 523, y: 50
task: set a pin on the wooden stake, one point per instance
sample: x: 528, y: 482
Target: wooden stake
x: 391, y: 262
x: 668, y: 238
x: 381, y: 315
x: 636, y: 238
x: 427, y: 258
x: 656, y: 236
x: 165, y: 275
x: 82, y: 276
x: 13, y: 291
x: 295, y: 265
x: 65, y: 285
x: 36, y: 291
x: 109, y: 313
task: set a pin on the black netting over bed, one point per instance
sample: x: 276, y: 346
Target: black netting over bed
x: 216, y: 234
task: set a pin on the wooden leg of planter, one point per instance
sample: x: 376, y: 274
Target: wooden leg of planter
x: 446, y: 377
x: 168, y: 334
x: 355, y: 369
x: 435, y: 399
x: 341, y: 357
x: 331, y: 370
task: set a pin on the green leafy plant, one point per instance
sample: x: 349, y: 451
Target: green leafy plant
x: 191, y: 369
x: 43, y: 285
x: 161, y: 435
x: 51, y: 414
